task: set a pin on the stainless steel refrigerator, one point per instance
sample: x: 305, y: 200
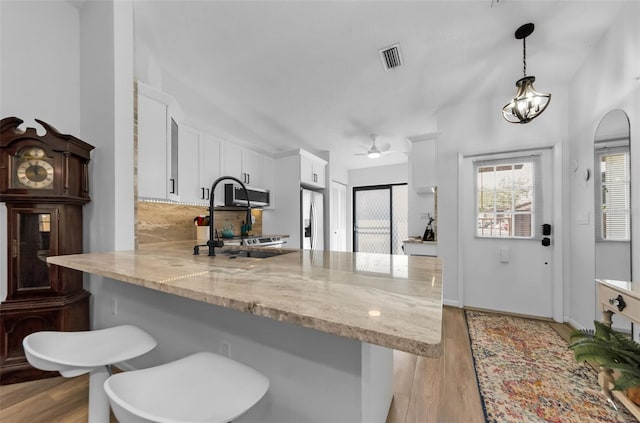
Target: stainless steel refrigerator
x: 312, y: 206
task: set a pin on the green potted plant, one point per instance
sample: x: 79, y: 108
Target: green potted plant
x: 612, y: 350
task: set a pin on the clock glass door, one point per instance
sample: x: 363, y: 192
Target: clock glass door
x: 34, y: 249
x: 32, y: 245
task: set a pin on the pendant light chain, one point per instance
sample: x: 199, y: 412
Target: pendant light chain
x: 524, y: 56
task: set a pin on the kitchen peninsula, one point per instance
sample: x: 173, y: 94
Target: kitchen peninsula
x: 333, y: 318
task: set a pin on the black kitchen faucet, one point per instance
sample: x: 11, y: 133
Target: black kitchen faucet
x: 213, y: 243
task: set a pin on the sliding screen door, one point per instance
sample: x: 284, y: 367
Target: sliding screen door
x: 379, y: 219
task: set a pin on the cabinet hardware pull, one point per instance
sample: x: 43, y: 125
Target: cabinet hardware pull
x: 202, y: 196
x: 173, y: 186
x: 618, y: 302
x: 208, y: 193
x: 248, y: 178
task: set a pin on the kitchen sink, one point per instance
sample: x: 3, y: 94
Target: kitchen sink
x: 233, y: 253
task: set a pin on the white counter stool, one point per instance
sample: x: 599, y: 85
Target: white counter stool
x: 76, y: 353
x: 203, y: 387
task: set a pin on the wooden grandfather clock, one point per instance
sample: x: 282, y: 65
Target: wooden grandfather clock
x: 44, y: 182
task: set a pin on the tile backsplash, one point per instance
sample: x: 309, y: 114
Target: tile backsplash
x: 160, y: 222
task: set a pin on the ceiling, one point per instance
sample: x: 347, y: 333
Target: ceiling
x: 284, y: 75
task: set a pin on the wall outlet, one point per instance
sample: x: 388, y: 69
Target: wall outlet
x: 114, y: 306
x: 225, y: 349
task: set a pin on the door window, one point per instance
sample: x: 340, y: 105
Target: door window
x: 507, y: 197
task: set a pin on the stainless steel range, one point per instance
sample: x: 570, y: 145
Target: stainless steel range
x: 257, y: 241
x: 266, y: 241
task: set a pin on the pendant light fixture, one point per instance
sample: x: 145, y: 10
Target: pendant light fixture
x: 528, y: 103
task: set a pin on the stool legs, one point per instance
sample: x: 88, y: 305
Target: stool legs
x: 98, y: 399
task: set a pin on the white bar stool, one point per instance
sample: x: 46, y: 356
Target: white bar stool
x: 203, y: 387
x: 76, y: 353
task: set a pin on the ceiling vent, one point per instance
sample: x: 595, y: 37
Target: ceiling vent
x: 391, y: 57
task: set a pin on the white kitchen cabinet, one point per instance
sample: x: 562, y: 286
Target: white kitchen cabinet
x: 252, y: 168
x: 312, y: 170
x: 246, y: 165
x: 199, y: 165
x: 288, y: 179
x: 158, y: 150
x: 233, y: 161
x: 210, y: 150
x: 423, y: 165
x: 189, y: 145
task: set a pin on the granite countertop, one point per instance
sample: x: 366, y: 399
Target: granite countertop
x: 393, y: 301
x: 418, y: 240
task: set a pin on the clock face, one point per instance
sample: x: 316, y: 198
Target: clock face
x: 33, y: 170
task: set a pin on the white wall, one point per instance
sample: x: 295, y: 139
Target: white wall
x: 106, y: 35
x: 606, y: 81
x: 39, y: 75
x: 484, y: 131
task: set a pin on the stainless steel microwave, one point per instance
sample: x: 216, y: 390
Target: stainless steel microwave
x: 234, y: 195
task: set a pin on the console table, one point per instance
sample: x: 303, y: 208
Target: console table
x: 620, y: 297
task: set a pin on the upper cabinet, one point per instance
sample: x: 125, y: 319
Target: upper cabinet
x: 178, y: 162
x: 246, y: 165
x: 210, y: 166
x: 312, y: 170
x: 423, y: 165
x: 158, y: 149
x: 199, y: 164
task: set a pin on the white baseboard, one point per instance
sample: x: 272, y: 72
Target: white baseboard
x: 452, y: 303
x: 573, y: 323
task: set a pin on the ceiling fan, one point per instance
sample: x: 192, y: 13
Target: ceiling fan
x: 374, y: 151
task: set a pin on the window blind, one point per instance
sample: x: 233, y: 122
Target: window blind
x: 508, y: 198
x: 613, y: 194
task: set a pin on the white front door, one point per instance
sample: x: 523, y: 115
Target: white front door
x: 504, y: 268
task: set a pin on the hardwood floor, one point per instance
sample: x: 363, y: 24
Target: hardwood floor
x: 440, y: 389
x: 426, y: 390
x: 50, y: 400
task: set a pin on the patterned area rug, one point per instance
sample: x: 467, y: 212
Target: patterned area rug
x: 527, y: 373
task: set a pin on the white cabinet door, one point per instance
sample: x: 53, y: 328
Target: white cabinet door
x: 233, y: 161
x: 152, y: 148
x: 319, y: 174
x: 306, y: 170
x: 252, y: 168
x: 244, y: 164
x: 312, y: 172
x: 210, y: 170
x: 188, y: 152
x: 423, y: 165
